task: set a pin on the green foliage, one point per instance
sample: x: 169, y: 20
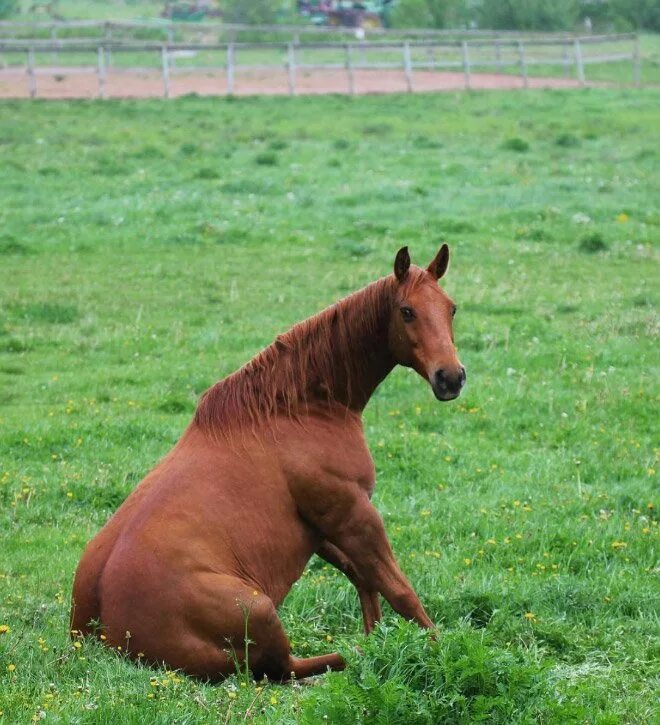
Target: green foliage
x: 404, y: 675
x: 8, y: 8
x: 516, y: 144
x: 430, y: 14
x: 262, y: 12
x: 637, y: 13
x: 145, y: 253
x: 528, y: 14
x: 266, y: 158
x: 592, y: 243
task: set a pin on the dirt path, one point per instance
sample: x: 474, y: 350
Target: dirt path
x: 74, y: 82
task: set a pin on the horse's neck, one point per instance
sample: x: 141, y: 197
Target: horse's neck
x: 377, y: 367
x: 354, y: 384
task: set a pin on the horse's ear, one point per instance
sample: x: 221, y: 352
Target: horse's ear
x: 402, y: 264
x: 439, y: 265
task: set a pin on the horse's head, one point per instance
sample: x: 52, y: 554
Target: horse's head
x: 420, y: 333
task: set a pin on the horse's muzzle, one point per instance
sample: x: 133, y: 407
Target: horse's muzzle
x: 447, y: 385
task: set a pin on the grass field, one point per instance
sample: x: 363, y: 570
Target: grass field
x: 149, y: 248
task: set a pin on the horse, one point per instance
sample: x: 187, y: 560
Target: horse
x: 272, y: 469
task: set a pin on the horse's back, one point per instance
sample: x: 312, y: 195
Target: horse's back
x: 86, y: 598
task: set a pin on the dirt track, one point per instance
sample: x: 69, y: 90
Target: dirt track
x: 84, y: 83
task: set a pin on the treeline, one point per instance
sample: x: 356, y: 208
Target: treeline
x: 528, y: 14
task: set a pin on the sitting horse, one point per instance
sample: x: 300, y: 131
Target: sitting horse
x: 273, y: 468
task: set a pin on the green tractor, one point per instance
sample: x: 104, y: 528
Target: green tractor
x: 342, y: 13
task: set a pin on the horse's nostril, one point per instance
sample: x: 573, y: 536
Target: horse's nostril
x: 440, y: 376
x: 462, y: 376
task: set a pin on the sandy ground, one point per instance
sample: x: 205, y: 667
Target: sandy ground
x: 84, y: 83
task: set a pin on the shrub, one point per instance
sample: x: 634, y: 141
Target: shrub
x: 403, y: 675
x: 516, y: 144
x: 266, y: 158
x: 592, y: 243
x: 8, y: 8
x: 207, y: 173
x: 567, y: 140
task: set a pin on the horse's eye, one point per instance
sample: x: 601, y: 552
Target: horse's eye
x: 407, y: 314
x: 453, y: 311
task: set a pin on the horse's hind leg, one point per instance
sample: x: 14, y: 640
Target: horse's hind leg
x: 272, y: 653
x: 232, y: 608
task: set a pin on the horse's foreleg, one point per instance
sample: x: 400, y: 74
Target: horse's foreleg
x: 359, y: 533
x: 369, y: 599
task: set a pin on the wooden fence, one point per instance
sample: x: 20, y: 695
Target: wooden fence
x: 504, y: 55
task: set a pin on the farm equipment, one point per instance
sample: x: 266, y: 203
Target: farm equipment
x: 366, y: 15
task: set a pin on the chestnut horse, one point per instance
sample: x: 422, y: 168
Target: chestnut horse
x: 273, y: 468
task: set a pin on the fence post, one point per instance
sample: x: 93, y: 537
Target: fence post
x: 170, y: 40
x: 107, y: 36
x: 407, y: 66
x: 566, y: 58
x: 466, y: 65
x: 166, y: 71
x: 349, y: 69
x: 523, y: 64
x: 498, y: 55
x: 637, y: 63
x: 101, y: 71
x: 53, y: 38
x: 579, y: 65
x: 230, y: 69
x: 32, y: 81
x: 291, y: 68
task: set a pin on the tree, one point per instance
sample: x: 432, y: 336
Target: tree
x: 637, y: 13
x: 8, y: 8
x: 528, y: 14
x: 258, y: 12
x: 430, y: 13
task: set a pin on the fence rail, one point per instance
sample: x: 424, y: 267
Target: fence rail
x: 412, y: 57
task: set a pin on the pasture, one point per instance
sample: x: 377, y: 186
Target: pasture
x: 148, y: 248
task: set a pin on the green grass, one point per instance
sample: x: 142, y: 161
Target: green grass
x: 92, y: 10
x: 149, y: 248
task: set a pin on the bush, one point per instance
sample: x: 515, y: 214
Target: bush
x: 266, y: 158
x: 592, y: 243
x: 529, y: 15
x: 516, y: 144
x: 8, y: 8
x: 207, y: 173
x: 259, y: 12
x: 404, y: 676
x: 430, y: 14
x: 638, y: 13
x: 526, y: 14
x: 567, y: 140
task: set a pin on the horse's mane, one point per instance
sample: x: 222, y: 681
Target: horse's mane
x: 304, y: 365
